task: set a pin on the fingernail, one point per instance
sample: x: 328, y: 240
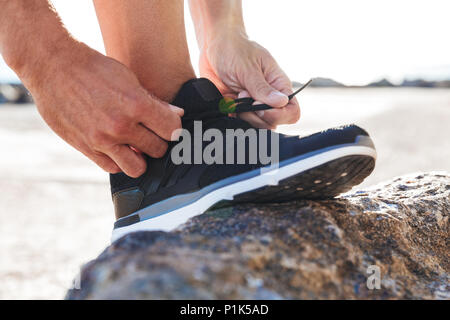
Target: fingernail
x: 260, y: 113
x: 243, y: 94
x: 176, y: 134
x: 177, y: 110
x: 278, y: 96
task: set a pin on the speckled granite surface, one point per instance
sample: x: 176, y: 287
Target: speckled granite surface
x: 295, y: 250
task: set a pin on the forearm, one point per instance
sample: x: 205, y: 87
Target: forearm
x: 30, y: 35
x: 211, y: 17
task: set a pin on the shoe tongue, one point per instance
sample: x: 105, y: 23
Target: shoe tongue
x: 198, y: 96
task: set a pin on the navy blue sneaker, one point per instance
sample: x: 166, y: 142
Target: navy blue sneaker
x: 319, y: 166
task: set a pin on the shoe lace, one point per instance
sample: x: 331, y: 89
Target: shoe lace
x: 228, y: 106
x: 246, y: 104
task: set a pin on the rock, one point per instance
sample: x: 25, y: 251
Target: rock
x: 319, y: 82
x: 295, y: 250
x: 381, y: 83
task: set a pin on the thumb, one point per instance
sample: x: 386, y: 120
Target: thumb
x: 260, y: 90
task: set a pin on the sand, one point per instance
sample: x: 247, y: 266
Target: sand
x: 55, y: 205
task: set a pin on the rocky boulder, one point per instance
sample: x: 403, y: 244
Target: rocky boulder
x: 396, y: 232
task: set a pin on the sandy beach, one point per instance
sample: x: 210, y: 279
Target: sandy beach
x: 55, y: 205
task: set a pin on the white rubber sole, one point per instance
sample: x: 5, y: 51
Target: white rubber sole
x: 173, y: 219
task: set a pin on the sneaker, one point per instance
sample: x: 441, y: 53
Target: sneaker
x: 319, y: 166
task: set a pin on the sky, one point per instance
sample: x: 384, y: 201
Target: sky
x: 351, y: 41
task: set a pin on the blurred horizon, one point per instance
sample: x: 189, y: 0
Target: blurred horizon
x: 350, y: 41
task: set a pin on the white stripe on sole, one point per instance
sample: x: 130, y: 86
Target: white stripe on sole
x: 173, y: 219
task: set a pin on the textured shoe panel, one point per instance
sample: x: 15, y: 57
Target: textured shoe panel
x: 127, y: 201
x: 120, y: 181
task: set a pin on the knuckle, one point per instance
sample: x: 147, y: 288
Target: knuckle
x: 137, y: 170
x: 140, y: 169
x: 140, y: 166
x: 262, y: 88
x: 120, y: 127
x: 127, y: 97
x: 258, y: 85
x: 263, y: 50
x: 138, y: 107
x: 115, y: 150
x: 266, y: 55
x: 97, y: 138
x: 136, y: 110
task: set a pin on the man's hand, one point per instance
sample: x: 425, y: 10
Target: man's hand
x: 98, y: 106
x: 93, y: 102
x: 242, y: 67
x: 238, y: 66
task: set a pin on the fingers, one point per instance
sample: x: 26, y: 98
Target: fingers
x: 126, y: 158
x: 287, y: 115
x: 101, y: 159
x: 254, y: 118
x: 261, y: 90
x: 131, y: 163
x: 113, y: 154
x: 152, y: 122
x: 179, y: 111
x: 125, y: 151
x: 160, y: 117
x: 147, y: 142
x: 105, y: 162
x: 118, y: 144
x: 292, y: 109
x: 276, y: 95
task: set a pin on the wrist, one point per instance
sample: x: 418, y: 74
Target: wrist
x: 217, y: 19
x: 221, y: 32
x: 30, y: 60
x: 33, y: 45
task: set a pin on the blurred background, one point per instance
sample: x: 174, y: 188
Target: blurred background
x: 383, y: 65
